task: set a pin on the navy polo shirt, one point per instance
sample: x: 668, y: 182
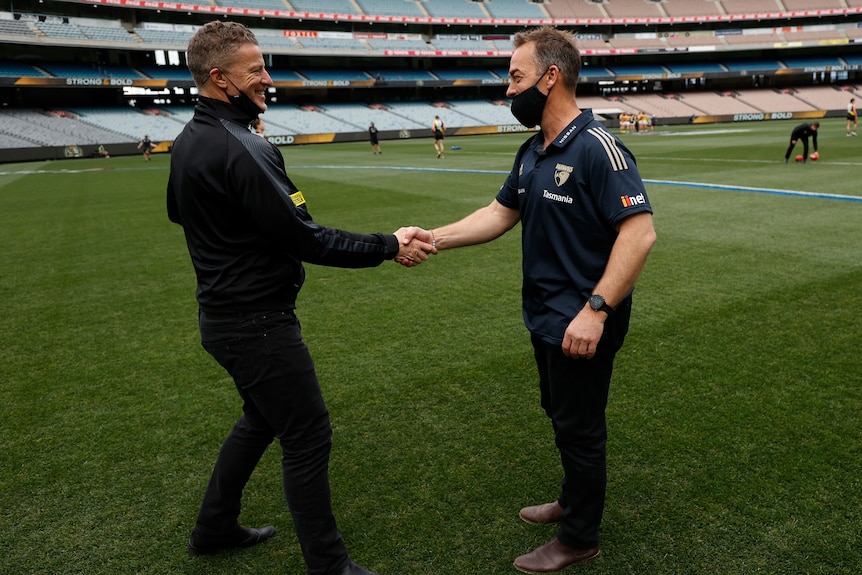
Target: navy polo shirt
x: 571, y: 197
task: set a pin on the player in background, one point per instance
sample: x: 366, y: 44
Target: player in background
x: 146, y: 145
x: 374, y: 138
x: 439, y: 131
x: 852, y: 117
x: 802, y: 132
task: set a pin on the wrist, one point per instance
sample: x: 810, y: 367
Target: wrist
x: 597, y: 303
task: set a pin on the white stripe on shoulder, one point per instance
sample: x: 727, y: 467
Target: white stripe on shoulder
x: 609, y: 143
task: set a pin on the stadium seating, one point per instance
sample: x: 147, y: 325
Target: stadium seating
x: 717, y: 103
x: 463, y: 43
x: 748, y: 6
x: 57, y: 30
x: 483, y: 114
x: 688, y: 9
x: 812, y: 62
x: 602, y: 45
x: 405, y: 44
x: 695, y: 67
x: 131, y: 124
x: 812, y: 4
x: 164, y: 38
x: 37, y: 128
x: 390, y: 8
x: 313, y: 44
x: 514, y: 9
x: 752, y: 66
x: 15, y: 28
x: 824, y: 97
x: 660, y: 106
x: 260, y: 4
x: 637, y: 70
x: 334, y: 74
x: 399, y: 74
x: 634, y: 10
x: 107, y: 33
x: 575, y: 8
x: 17, y: 70
x: 276, y: 40
x: 166, y: 72
x: 102, y: 71
x: 455, y: 9
x: 771, y: 100
x: 309, y: 120
x: 466, y: 74
x: 324, y: 6
x: 689, y: 40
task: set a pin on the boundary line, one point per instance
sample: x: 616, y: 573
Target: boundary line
x: 702, y: 185
x: 723, y: 187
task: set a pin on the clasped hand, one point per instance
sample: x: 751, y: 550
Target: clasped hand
x: 415, y: 245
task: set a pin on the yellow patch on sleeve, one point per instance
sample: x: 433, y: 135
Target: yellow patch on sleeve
x: 298, y: 199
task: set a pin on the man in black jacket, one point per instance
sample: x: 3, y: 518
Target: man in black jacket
x: 249, y: 231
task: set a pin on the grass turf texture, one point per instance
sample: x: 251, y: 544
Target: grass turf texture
x: 734, y: 411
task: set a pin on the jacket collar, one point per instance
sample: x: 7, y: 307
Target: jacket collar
x: 224, y: 110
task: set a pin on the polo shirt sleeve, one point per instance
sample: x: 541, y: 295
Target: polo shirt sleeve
x: 614, y: 177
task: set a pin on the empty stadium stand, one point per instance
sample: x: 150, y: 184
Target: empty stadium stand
x: 340, y: 64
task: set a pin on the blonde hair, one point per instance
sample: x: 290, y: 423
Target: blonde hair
x: 214, y: 45
x: 554, y: 47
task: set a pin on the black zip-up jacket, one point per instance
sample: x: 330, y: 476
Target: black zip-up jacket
x: 803, y: 131
x: 247, y: 227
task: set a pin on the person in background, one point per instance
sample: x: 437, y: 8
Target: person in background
x: 802, y: 132
x: 102, y: 152
x: 248, y: 230
x: 146, y: 145
x: 852, y: 118
x: 258, y: 127
x: 375, y: 142
x: 439, y: 131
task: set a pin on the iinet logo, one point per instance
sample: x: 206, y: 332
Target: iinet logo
x: 629, y: 201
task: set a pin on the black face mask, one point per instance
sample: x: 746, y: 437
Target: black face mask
x: 243, y: 102
x: 527, y: 107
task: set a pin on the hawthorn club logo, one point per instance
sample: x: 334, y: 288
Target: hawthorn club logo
x: 562, y: 173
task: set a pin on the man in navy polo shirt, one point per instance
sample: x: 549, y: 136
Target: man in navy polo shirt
x: 587, y: 231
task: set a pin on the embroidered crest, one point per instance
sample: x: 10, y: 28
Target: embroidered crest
x: 562, y: 173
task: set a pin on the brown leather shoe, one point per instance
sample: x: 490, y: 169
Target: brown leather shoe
x: 542, y: 514
x: 554, y: 556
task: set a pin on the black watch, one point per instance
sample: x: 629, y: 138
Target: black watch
x: 598, y: 303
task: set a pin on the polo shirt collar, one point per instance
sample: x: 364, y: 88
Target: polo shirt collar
x: 573, y: 129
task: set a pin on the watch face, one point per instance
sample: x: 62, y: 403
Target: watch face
x: 596, y: 302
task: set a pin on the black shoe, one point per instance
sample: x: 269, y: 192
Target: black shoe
x: 246, y: 537
x: 354, y: 569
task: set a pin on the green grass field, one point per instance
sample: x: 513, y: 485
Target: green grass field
x: 735, y: 437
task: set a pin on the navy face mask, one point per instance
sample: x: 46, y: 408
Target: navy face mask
x: 527, y: 107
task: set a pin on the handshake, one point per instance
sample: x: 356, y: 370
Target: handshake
x: 415, y: 245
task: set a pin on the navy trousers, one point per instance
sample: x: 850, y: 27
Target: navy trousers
x: 274, y: 375
x: 574, y: 395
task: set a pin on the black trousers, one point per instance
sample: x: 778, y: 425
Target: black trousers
x: 793, y: 145
x: 574, y: 395
x: 274, y: 375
